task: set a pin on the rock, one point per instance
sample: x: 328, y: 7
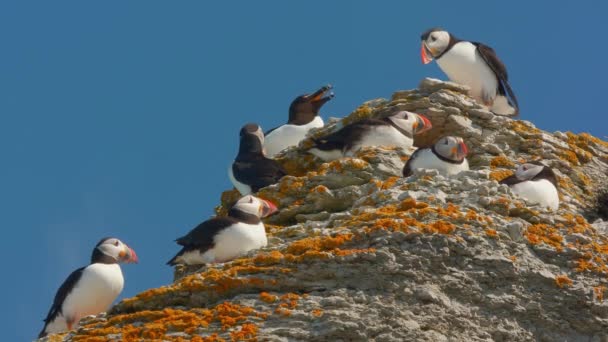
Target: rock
x: 357, y: 253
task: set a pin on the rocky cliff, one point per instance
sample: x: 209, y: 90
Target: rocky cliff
x: 358, y: 253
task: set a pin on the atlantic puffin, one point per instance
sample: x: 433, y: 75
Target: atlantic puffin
x: 303, y: 116
x: 395, y: 130
x: 536, y: 183
x: 473, y: 64
x: 251, y: 169
x: 91, y: 289
x: 447, y: 155
x: 222, y: 239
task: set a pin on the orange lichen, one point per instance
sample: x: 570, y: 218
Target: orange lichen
x: 499, y: 175
x: 318, y: 243
x: 441, y: 227
x: 501, y: 161
x: 268, y: 298
x: 491, y: 233
x: 599, y: 292
x: 563, y: 281
x: 410, y: 203
x: 538, y: 233
x: 513, y: 258
x: 248, y: 332
x: 569, y: 156
x: 317, y: 312
x: 521, y: 127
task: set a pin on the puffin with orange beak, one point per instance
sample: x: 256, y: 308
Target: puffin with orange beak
x: 447, y: 155
x: 473, y: 64
x: 303, y: 116
x: 89, y: 290
x: 395, y: 130
x: 222, y: 239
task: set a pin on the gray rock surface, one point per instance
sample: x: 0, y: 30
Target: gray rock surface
x: 358, y: 253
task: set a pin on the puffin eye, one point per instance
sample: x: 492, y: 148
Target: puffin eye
x: 116, y: 243
x: 433, y: 38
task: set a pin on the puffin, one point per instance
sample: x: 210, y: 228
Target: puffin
x: 91, y: 289
x: 447, y: 155
x: 252, y: 170
x: 303, y: 116
x: 222, y: 239
x: 536, y: 183
x: 395, y: 130
x: 473, y: 64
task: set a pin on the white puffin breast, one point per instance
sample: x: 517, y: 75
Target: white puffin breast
x: 540, y: 192
x: 288, y: 135
x: 382, y: 136
x: 464, y: 65
x: 95, y: 291
x: 426, y: 159
x: 237, y: 240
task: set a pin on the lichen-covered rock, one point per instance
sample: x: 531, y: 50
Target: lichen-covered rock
x: 358, y: 253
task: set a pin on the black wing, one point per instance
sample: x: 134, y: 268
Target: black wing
x: 60, y: 296
x: 201, y: 237
x: 511, y: 180
x: 347, y: 136
x: 257, y: 172
x: 407, y: 169
x: 489, y: 55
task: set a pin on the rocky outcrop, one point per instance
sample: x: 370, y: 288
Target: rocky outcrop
x: 358, y: 253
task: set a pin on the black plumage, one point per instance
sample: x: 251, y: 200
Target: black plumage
x: 251, y: 166
x: 489, y: 56
x: 546, y: 173
x: 407, y: 169
x: 60, y: 296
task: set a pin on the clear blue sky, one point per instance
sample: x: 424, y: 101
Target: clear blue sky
x: 120, y: 118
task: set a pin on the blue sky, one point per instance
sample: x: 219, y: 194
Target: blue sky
x: 120, y: 118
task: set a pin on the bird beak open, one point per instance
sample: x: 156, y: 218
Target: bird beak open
x: 321, y: 96
x: 425, y: 54
x: 422, y: 124
x: 268, y: 208
x: 128, y: 255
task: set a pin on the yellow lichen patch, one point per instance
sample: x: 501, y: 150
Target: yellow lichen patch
x: 248, y: 332
x: 491, y: 233
x: 499, y: 175
x: 228, y: 198
x: 563, y: 281
x: 569, y: 156
x: 441, y: 227
x: 317, y: 312
x: 513, y: 258
x: 389, y: 182
x: 362, y: 112
x: 320, y: 189
x: 587, y: 138
x: 318, y: 243
x: 521, y: 127
x: 538, y: 233
x: 501, y: 161
x: 598, y: 291
x: 268, y: 298
x: 289, y: 300
x: 410, y: 203
x: 300, y: 165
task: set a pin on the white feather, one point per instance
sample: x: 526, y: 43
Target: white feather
x: 94, y: 292
x: 230, y: 243
x: 426, y: 159
x: 288, y: 135
x: 382, y: 136
x: 244, y: 189
x: 541, y: 192
x: 464, y: 65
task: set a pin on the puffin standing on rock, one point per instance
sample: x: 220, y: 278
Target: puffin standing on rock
x: 473, y: 64
x: 303, y: 116
x: 89, y: 290
x: 536, y: 183
x: 395, y: 130
x: 447, y: 155
x: 222, y: 239
x: 251, y: 170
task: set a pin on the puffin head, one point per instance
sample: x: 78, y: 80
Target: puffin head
x: 434, y: 42
x: 528, y: 171
x: 452, y: 148
x: 252, y: 138
x: 254, y: 206
x: 411, y: 122
x: 305, y: 107
x: 111, y: 250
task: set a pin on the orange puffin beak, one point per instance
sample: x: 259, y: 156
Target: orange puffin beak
x: 128, y: 255
x: 422, y: 124
x: 462, y: 149
x: 268, y: 208
x: 426, y: 57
